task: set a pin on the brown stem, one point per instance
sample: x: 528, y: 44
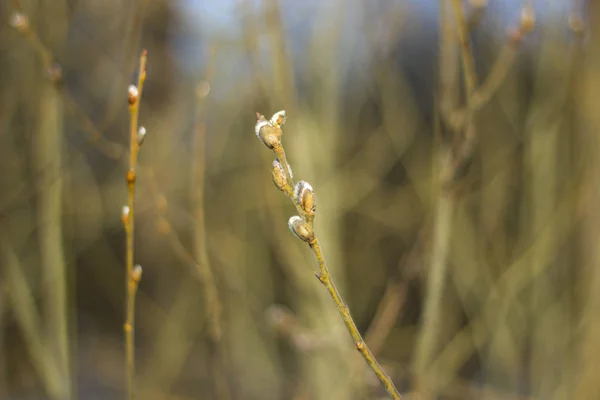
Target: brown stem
x: 344, y: 311
x: 130, y: 278
x: 326, y: 279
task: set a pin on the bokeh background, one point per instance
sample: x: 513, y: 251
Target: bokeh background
x: 484, y: 285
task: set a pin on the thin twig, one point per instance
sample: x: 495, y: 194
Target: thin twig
x: 393, y: 299
x: 442, y: 229
x: 466, y: 51
x: 488, y: 88
x: 133, y: 274
x: 476, y: 14
x: 20, y: 22
x: 23, y: 305
x: 198, y: 265
x: 452, y: 162
x: 48, y: 160
x: 211, y: 298
x: 344, y: 311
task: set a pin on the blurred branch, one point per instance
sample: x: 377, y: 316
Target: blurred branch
x: 513, y: 281
x: 20, y: 22
x: 283, y: 73
x: 132, y: 274
x: 165, y: 227
x: 48, y: 163
x: 393, y: 298
x: 3, y: 343
x: 212, y: 303
x: 211, y: 299
x: 48, y: 160
x: 462, y: 27
x: 454, y: 161
x: 483, y: 94
x: 286, y: 323
x: 23, y: 304
x: 427, y: 342
x: 475, y: 13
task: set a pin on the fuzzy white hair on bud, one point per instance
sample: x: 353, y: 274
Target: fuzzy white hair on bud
x: 261, y: 123
x: 141, y: 135
x: 279, y: 178
x: 277, y: 164
x: 293, y: 220
x: 301, y: 186
x: 278, y: 118
x: 300, y: 229
x: 133, y: 91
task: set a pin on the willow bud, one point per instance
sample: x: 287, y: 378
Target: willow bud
x: 20, y: 22
x: 125, y: 215
x: 279, y: 178
x: 527, y: 19
x: 305, y: 196
x: 301, y: 229
x: 132, y: 94
x: 141, y: 135
x: 278, y: 119
x: 136, y: 273
x: 267, y: 133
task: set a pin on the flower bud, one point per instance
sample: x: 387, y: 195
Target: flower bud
x: 141, y: 135
x: 131, y: 176
x: 133, y: 94
x: 305, y: 196
x: 267, y: 133
x: 125, y: 215
x: 527, y: 19
x: 136, y: 274
x: 301, y: 229
x: 278, y: 119
x: 20, y: 22
x: 279, y: 178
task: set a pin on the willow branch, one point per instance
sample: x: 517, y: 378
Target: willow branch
x: 132, y: 274
x: 344, y: 311
x: 301, y: 193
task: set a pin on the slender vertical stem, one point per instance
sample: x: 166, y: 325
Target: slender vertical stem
x: 23, y: 305
x: 465, y: 46
x: 428, y: 338
x: 213, y: 305
x: 435, y: 287
x: 130, y: 278
x: 49, y: 157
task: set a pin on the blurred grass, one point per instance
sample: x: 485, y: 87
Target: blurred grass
x: 365, y: 87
